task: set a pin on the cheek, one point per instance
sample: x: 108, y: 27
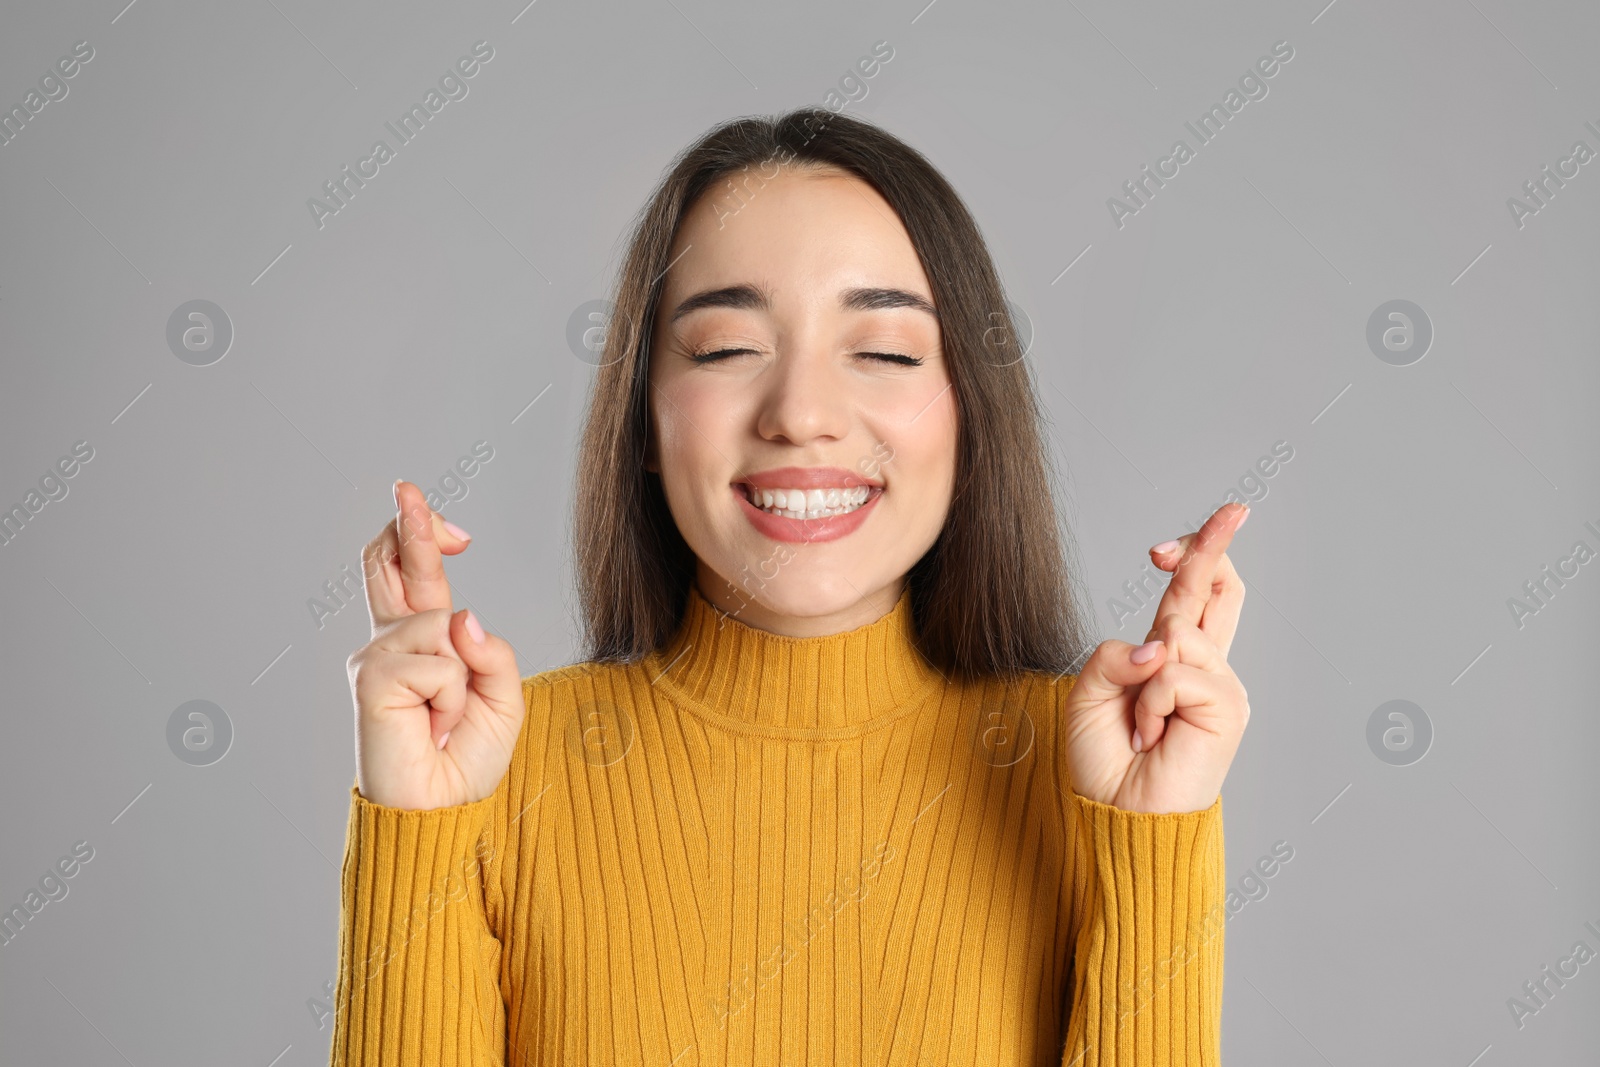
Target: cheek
x: 690, y: 430
x: 919, y: 437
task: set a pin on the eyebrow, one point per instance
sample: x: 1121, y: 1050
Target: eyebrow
x: 752, y: 298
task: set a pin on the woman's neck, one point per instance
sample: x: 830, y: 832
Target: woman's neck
x: 801, y: 687
x: 790, y: 609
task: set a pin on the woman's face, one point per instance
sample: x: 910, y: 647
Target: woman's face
x: 813, y: 282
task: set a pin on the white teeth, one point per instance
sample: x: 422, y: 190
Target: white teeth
x: 809, y: 503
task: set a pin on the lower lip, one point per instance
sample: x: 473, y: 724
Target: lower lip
x: 805, y: 531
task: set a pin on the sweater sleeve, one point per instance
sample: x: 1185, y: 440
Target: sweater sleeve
x: 419, y: 958
x: 1146, y: 903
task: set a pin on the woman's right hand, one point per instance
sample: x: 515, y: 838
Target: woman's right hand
x: 438, y: 701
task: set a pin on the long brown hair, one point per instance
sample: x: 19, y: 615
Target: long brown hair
x: 993, y: 594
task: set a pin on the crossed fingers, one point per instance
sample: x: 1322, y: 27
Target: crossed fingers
x: 1205, y: 589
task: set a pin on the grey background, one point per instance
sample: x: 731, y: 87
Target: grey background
x: 1230, y: 313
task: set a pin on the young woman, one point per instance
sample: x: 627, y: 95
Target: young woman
x: 822, y: 789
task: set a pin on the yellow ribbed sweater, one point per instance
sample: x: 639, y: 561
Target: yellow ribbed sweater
x: 749, y: 849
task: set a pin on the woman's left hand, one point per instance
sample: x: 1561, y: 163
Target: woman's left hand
x: 1159, y: 736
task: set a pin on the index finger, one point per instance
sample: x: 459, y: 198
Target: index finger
x: 1191, y: 583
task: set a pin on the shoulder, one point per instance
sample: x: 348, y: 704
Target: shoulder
x: 545, y: 682
x: 574, y: 704
x: 1041, y: 692
x: 1021, y: 728
x: 1027, y: 706
x: 574, y: 684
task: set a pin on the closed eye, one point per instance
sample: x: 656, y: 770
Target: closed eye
x: 887, y: 357
x: 711, y: 357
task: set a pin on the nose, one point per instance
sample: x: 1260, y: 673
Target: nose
x: 806, y: 397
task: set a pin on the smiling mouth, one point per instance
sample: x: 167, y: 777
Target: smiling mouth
x: 810, y: 503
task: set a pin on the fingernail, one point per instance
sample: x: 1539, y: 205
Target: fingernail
x: 396, y: 489
x: 443, y: 738
x: 1245, y: 517
x: 458, y: 531
x: 474, y: 628
x: 1138, y: 741
x: 1166, y: 546
x: 1145, y: 652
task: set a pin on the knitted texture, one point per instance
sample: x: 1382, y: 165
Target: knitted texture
x: 749, y: 849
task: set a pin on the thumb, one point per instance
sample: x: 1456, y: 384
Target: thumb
x: 493, y: 663
x: 1112, y: 669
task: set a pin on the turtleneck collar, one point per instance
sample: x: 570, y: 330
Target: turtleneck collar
x: 819, y: 688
